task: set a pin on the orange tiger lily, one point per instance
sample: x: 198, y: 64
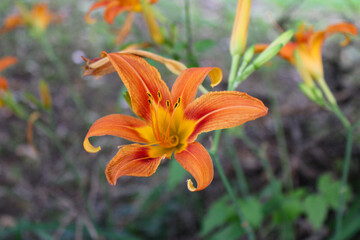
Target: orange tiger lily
x: 308, y: 44
x: 169, y: 122
x: 5, y: 63
x: 115, y: 7
x: 38, y: 18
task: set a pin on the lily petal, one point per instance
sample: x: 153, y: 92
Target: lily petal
x: 3, y: 83
x: 119, y: 125
x: 98, y: 67
x: 186, y: 85
x: 317, y: 38
x: 11, y: 22
x: 113, y: 9
x: 197, y: 161
x: 175, y: 67
x: 219, y: 110
x: 132, y: 160
x: 96, y: 5
x: 125, y: 29
x: 140, y: 79
x: 7, y: 62
x: 102, y: 66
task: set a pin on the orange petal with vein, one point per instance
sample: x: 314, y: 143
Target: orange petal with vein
x: 139, y: 78
x: 132, y: 160
x: 115, y: 125
x: 219, y: 110
x: 186, y: 85
x: 197, y: 161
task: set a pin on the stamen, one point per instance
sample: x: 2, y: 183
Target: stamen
x: 149, y: 101
x: 167, y: 134
x: 159, y: 96
x: 166, y: 113
x: 150, y: 96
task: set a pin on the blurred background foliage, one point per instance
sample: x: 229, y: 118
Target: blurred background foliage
x: 62, y: 193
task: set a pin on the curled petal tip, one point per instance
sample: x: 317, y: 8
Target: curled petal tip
x: 90, y: 148
x: 190, y: 185
x: 216, y: 76
x: 111, y: 181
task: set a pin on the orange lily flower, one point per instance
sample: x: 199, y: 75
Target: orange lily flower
x: 38, y: 18
x: 115, y: 7
x: 5, y: 63
x: 308, y: 44
x: 169, y: 122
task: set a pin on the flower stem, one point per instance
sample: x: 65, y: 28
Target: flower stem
x: 229, y: 189
x: 333, y: 106
x: 262, y: 157
x: 190, y: 55
x: 344, y: 178
x: 239, y: 172
x: 280, y: 136
x: 233, y: 71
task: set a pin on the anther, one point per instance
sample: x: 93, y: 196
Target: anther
x: 176, y: 104
x: 159, y: 96
x: 178, y: 101
x: 149, y: 94
x: 168, y: 104
x: 149, y: 101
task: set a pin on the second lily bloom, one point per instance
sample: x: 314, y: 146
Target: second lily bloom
x: 115, y: 7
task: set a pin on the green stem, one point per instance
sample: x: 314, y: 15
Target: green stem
x: 325, y: 88
x: 239, y: 172
x: 233, y: 71
x: 190, y: 55
x: 345, y: 175
x: 280, y: 136
x: 263, y: 159
x: 229, y: 189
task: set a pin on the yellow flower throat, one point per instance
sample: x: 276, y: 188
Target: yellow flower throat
x: 169, y: 129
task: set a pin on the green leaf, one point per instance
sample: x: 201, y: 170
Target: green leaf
x: 232, y: 231
x: 290, y: 209
x: 218, y: 214
x: 315, y: 209
x: 329, y: 189
x: 176, y: 174
x: 204, y: 45
x: 252, y: 211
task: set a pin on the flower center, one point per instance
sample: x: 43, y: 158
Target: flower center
x: 164, y: 120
